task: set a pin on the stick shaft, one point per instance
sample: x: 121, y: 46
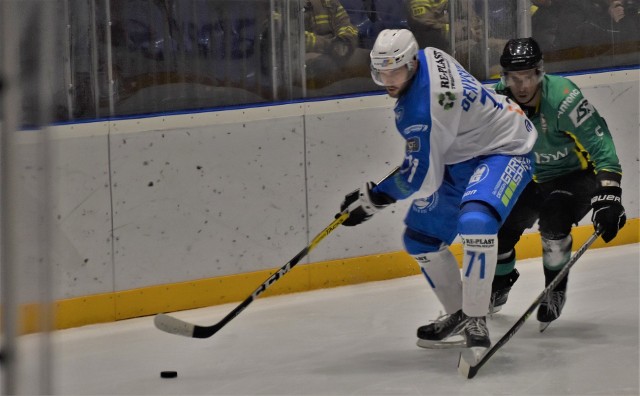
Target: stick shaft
x: 174, y: 325
x: 512, y: 331
x: 208, y: 331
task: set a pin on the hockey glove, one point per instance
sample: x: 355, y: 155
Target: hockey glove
x: 608, y: 212
x: 363, y: 203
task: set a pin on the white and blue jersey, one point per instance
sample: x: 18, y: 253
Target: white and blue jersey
x: 463, y: 142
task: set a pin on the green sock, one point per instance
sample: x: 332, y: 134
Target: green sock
x: 505, y: 266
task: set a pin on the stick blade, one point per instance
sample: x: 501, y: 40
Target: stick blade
x: 467, y: 369
x: 172, y: 325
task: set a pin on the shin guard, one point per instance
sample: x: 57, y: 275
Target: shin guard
x: 442, y: 272
x: 478, y: 269
x: 556, y: 252
x: 478, y: 227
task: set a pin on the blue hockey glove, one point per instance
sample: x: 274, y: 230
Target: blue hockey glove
x: 363, y: 203
x: 608, y: 212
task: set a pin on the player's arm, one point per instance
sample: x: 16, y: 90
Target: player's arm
x: 364, y: 202
x: 594, y: 138
x: 415, y: 165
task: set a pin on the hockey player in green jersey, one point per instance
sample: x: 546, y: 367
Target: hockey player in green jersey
x: 576, y: 170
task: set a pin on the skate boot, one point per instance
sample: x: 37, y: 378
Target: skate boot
x: 438, y: 334
x: 551, y: 306
x: 476, y: 332
x: 477, y: 338
x: 500, y: 290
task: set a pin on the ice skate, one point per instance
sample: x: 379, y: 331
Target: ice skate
x: 551, y: 305
x: 477, y: 339
x: 550, y: 308
x: 500, y: 290
x: 444, y: 332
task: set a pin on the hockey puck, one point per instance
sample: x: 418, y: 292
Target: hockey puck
x: 168, y: 374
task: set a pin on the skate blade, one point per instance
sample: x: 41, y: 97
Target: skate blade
x: 543, y: 326
x: 493, y: 309
x: 448, y: 343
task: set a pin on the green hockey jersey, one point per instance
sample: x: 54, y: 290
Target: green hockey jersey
x: 571, y: 133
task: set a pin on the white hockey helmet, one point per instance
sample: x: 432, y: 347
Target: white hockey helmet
x: 393, y: 49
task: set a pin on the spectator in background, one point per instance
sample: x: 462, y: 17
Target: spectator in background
x: 590, y: 24
x: 331, y: 44
x: 618, y: 21
x: 429, y: 21
x: 561, y: 24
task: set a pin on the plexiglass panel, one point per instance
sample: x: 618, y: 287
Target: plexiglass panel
x: 135, y: 57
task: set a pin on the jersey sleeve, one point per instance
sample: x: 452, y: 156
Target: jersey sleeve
x: 422, y: 166
x: 578, y: 118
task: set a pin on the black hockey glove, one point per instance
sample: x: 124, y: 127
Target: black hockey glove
x: 608, y: 212
x: 340, y: 48
x: 363, y: 203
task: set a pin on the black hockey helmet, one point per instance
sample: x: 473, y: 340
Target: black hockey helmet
x: 521, y: 54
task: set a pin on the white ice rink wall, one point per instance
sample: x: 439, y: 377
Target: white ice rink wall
x: 160, y: 200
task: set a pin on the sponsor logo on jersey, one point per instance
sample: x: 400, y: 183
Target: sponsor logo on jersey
x: 479, y: 242
x: 528, y: 125
x: 581, y: 112
x: 544, y: 158
x: 424, y: 205
x: 511, y: 178
x: 413, y: 145
x: 479, y: 175
x: 564, y: 106
x: 446, y: 100
x: 444, y: 72
x: 469, y: 193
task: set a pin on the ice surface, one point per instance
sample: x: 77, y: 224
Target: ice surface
x: 360, y: 340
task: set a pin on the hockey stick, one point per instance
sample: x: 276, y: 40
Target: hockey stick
x: 469, y: 370
x: 174, y: 325
x: 177, y: 326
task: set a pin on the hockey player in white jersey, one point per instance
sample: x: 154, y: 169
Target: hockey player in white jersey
x: 467, y: 159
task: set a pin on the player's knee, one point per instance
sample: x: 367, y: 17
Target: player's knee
x: 556, y: 216
x: 476, y: 218
x: 554, y: 229
x: 425, y: 250
x: 416, y: 243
